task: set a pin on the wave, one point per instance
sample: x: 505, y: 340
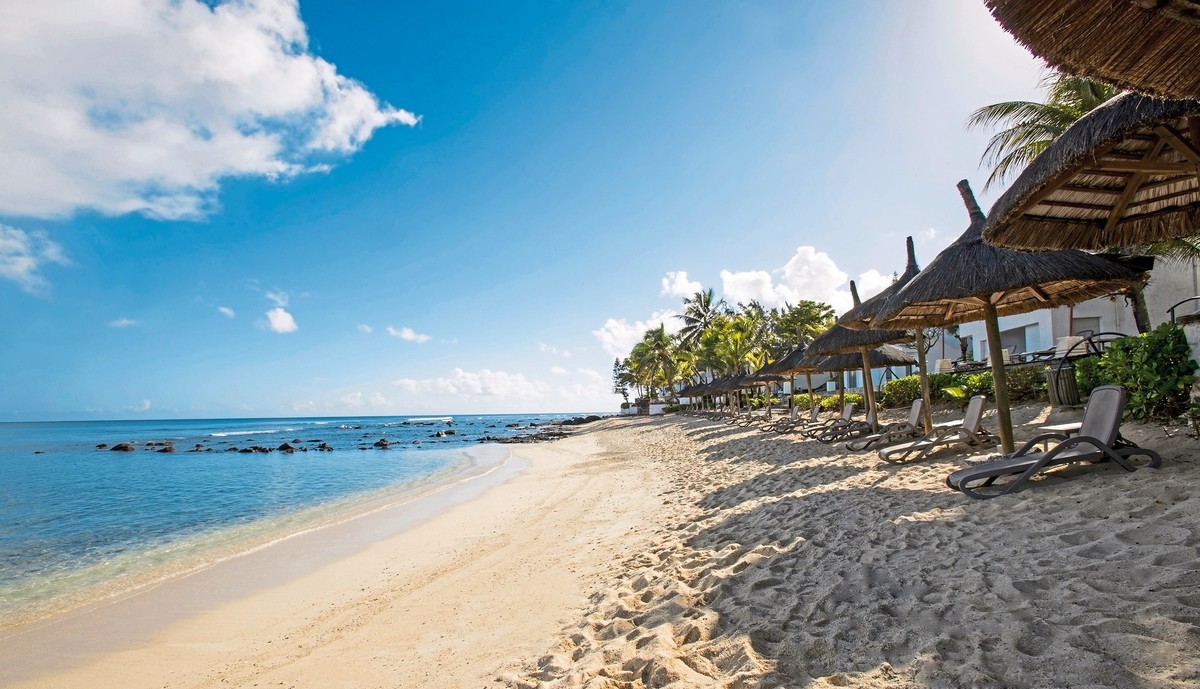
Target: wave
x: 416, y: 419
x: 229, y: 433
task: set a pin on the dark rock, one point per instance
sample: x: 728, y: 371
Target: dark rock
x: 101, y: 446
x: 232, y: 449
x: 382, y: 442
x: 439, y: 434
x: 416, y: 442
x: 246, y: 450
x: 314, y: 440
x: 121, y: 447
x: 168, y: 448
x: 39, y: 452
x: 296, y: 440
x: 324, y: 447
x: 450, y: 431
x: 513, y: 425
x: 286, y: 448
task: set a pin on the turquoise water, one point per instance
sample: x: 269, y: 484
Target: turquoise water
x: 77, y: 521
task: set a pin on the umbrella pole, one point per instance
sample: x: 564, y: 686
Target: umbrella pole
x: 869, y: 390
x: 841, y: 389
x: 1003, y: 416
x: 923, y: 374
x: 812, y: 401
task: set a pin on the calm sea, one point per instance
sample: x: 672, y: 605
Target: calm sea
x: 78, y: 522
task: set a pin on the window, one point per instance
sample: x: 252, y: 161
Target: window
x: 1081, y: 326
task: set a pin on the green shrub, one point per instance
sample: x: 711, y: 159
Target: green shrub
x: 672, y: 408
x: 1026, y: 383
x: 830, y: 403
x: 625, y: 405
x: 804, y: 400
x: 900, y: 392
x: 1156, y: 370
x: 1090, y: 374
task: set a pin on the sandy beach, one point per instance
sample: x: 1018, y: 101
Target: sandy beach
x: 678, y: 552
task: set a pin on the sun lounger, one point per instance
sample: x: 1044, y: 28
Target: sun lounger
x: 795, y: 420
x: 850, y: 429
x: 817, y: 428
x: 1099, y: 440
x: 894, y: 432
x: 968, y: 432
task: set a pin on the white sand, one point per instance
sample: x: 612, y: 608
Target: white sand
x: 678, y: 552
x: 789, y: 563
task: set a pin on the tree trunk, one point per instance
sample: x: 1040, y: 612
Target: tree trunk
x: 1141, y: 312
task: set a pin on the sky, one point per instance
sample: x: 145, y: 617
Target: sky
x: 269, y: 208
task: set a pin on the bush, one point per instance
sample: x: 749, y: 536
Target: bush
x: 830, y: 403
x: 1090, y: 374
x: 900, y: 392
x: 1026, y: 383
x: 1156, y: 370
x: 804, y: 400
x: 625, y: 405
x: 672, y: 408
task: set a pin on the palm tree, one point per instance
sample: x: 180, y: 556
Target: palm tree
x: 1028, y: 127
x: 699, y: 312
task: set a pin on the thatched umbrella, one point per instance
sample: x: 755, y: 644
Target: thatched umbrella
x: 862, y: 316
x: 1142, y: 45
x: 881, y: 356
x: 792, y: 363
x: 840, y: 339
x: 1124, y: 174
x: 972, y: 281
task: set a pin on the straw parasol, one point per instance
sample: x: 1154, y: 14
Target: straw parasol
x: 861, y: 317
x: 840, y: 339
x: 972, y: 281
x: 1141, y: 45
x: 1125, y: 174
x: 883, y: 355
x: 795, y: 361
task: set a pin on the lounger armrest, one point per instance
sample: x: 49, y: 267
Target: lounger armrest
x: 1036, y: 440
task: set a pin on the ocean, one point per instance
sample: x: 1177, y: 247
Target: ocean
x: 80, y: 522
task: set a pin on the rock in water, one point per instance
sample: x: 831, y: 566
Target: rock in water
x: 121, y: 447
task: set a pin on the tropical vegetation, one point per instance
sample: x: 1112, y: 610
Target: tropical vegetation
x: 716, y: 340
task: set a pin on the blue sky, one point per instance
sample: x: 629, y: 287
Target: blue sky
x: 388, y: 208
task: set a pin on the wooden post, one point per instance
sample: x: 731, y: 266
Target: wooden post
x: 812, y: 400
x: 995, y: 353
x: 869, y: 390
x: 923, y: 374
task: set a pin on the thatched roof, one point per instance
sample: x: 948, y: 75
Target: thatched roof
x: 839, y: 338
x: 1142, y: 45
x: 953, y: 287
x: 884, y: 355
x: 861, y: 317
x: 1123, y: 175
x: 791, y: 363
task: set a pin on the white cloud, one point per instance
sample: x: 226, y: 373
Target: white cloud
x: 676, y: 284
x: 364, y: 328
x: 618, y: 335
x: 281, y: 321
x: 146, y: 106
x: 483, y: 383
x: 144, y: 406
x: 872, y: 282
x: 121, y: 323
x: 280, y: 298
x: 808, y: 274
x: 22, y: 254
x: 558, y: 370
x: 590, y: 375
x: 353, y: 399
x: 408, y: 335
x: 226, y: 311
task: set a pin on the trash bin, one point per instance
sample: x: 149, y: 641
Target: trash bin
x: 1061, y: 387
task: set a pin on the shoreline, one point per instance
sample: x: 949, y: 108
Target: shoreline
x: 143, y: 603
x: 449, y: 588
